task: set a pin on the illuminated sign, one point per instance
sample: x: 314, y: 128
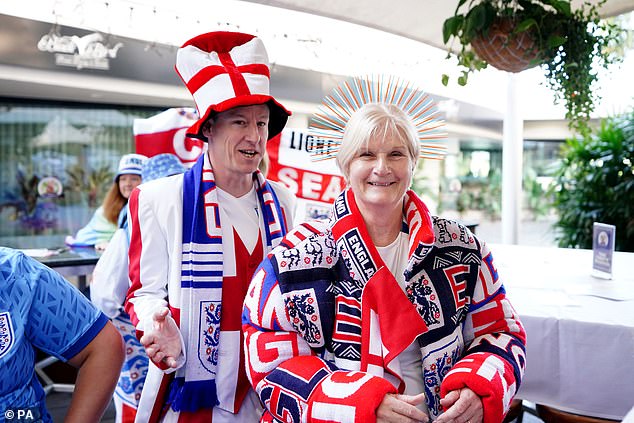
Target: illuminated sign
x: 87, y: 52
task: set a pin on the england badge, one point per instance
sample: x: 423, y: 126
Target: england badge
x: 7, y: 337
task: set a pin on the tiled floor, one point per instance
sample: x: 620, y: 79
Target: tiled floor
x: 58, y: 402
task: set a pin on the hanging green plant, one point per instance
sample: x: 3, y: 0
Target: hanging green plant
x: 514, y: 35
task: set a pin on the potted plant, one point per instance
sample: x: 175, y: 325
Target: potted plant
x: 514, y: 35
x: 595, y: 183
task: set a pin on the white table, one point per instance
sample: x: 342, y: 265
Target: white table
x: 580, y: 347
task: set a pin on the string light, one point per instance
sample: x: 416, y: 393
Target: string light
x: 307, y: 42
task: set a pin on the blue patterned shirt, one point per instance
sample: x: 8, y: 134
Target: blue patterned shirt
x: 38, y: 309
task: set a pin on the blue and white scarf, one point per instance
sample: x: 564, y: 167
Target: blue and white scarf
x: 201, y: 281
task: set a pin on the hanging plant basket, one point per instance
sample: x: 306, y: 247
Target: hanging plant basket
x: 505, y: 50
x: 514, y: 35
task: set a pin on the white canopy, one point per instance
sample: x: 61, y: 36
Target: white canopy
x: 420, y: 20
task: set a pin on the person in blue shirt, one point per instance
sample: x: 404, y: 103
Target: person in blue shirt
x: 40, y: 309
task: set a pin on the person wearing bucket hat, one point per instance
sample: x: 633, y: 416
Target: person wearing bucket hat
x: 196, y: 238
x: 112, y: 213
x: 108, y: 289
x: 162, y: 165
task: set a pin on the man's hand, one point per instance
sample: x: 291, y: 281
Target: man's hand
x: 163, y: 342
x: 461, y: 406
x: 401, y: 408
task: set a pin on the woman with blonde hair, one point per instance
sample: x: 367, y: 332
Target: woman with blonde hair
x: 112, y: 214
x: 384, y: 312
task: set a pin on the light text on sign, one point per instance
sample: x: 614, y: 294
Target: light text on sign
x: 311, y: 186
x: 89, y: 51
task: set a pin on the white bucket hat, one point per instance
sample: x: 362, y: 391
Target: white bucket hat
x: 131, y: 164
x: 223, y: 70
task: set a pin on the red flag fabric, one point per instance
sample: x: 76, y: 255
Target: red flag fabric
x: 165, y: 133
x: 316, y: 184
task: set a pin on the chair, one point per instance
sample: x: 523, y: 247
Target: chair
x: 59, y: 377
x: 516, y: 412
x: 552, y: 415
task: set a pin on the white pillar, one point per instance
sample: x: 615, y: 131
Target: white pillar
x: 512, y: 149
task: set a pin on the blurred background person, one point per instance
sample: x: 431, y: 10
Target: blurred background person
x: 112, y: 214
x: 162, y: 166
x: 384, y: 312
x: 39, y: 309
x: 108, y: 289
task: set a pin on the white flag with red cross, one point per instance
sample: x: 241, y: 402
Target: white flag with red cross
x: 165, y: 133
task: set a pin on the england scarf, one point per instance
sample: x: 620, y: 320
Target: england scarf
x: 201, y: 281
x: 381, y: 343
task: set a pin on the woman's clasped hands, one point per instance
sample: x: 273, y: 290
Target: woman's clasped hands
x: 462, y: 406
x: 401, y: 408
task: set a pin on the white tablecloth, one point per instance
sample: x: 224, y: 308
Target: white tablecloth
x: 580, y: 329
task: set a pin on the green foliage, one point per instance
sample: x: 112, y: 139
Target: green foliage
x: 569, y: 68
x: 595, y: 183
x: 22, y: 201
x: 95, y: 184
x: 420, y: 182
x: 569, y: 45
x: 27, y: 183
x: 537, y: 200
x: 482, y: 194
x: 35, y: 215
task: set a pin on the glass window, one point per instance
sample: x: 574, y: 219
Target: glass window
x: 57, y: 160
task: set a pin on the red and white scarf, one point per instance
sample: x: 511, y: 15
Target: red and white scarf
x: 381, y: 296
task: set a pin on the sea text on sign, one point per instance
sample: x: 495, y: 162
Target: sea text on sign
x: 311, y: 186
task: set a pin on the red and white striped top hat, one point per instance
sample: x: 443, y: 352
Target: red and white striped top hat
x: 223, y: 70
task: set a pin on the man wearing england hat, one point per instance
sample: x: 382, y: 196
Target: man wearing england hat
x: 197, y: 238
